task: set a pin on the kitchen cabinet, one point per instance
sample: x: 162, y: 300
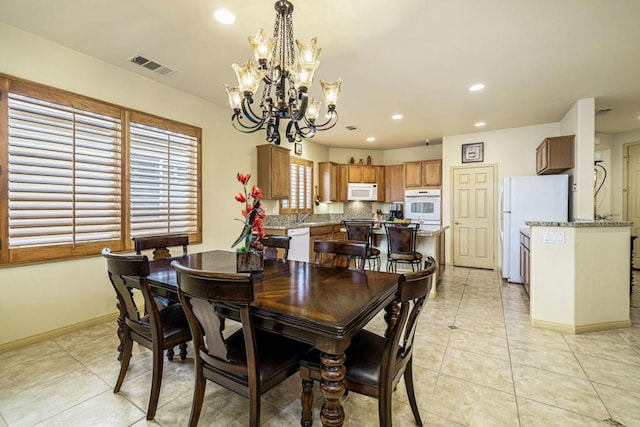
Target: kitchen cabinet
x: 380, y: 180
x: 555, y: 155
x: 274, y: 171
x: 338, y: 234
x: 424, y: 173
x: 525, y: 260
x: 361, y: 174
x: 394, y: 183
x: 333, y: 182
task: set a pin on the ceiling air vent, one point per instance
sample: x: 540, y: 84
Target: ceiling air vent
x: 603, y: 110
x: 151, y: 65
x: 352, y: 129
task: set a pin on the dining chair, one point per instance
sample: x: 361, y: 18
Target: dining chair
x: 363, y: 231
x: 401, y: 246
x: 158, y: 330
x: 375, y: 364
x: 161, y: 243
x: 271, y: 244
x: 249, y: 362
x: 340, y: 252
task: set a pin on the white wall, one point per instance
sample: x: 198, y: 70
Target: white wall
x: 513, y: 150
x: 580, y: 121
x: 53, y: 295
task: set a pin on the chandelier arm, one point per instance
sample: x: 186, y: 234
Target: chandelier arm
x: 249, y: 114
x: 273, y: 131
x: 305, y: 132
x: 304, y: 99
x: 238, y: 124
x: 331, y: 121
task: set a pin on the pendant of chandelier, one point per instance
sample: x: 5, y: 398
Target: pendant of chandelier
x: 287, y: 74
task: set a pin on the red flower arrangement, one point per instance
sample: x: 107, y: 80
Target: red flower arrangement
x: 253, y: 216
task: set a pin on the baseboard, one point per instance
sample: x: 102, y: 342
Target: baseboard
x: 580, y: 329
x: 13, y: 345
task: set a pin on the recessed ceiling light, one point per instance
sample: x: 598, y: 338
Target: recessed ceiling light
x: 224, y: 16
x: 396, y: 116
x: 479, y: 124
x: 476, y: 87
x: 371, y: 139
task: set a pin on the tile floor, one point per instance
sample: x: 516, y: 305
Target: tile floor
x: 477, y: 362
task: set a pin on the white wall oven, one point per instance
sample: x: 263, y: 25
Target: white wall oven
x: 422, y: 205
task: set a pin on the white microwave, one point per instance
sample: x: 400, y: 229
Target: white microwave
x: 362, y: 192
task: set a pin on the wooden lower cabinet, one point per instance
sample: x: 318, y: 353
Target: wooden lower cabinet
x: 525, y: 261
x: 324, y: 232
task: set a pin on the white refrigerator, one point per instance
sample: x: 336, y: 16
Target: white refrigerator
x: 528, y: 198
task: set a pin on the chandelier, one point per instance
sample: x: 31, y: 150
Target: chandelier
x: 287, y: 74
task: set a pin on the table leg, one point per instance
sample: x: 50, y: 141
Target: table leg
x: 332, y: 372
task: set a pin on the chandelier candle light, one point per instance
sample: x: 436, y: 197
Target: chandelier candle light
x: 287, y: 74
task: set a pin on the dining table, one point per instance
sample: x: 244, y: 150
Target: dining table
x: 320, y: 305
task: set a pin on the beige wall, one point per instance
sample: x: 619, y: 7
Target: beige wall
x: 53, y: 295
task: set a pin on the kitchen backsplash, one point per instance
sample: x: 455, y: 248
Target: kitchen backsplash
x: 352, y: 210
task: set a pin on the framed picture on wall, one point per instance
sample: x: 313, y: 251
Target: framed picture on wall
x: 472, y: 153
x: 298, y: 149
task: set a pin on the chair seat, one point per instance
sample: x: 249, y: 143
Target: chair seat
x: 173, y: 321
x: 363, y: 359
x: 416, y: 256
x: 373, y: 252
x: 278, y: 354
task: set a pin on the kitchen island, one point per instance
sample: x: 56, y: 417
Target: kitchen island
x: 579, y: 275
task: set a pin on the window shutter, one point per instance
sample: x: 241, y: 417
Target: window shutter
x: 164, y: 179
x: 64, y: 172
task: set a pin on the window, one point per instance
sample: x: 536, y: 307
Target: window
x: 67, y: 161
x: 301, y: 195
x: 164, y: 180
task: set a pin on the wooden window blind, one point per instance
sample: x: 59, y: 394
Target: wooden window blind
x: 78, y: 174
x: 64, y: 174
x: 164, y: 177
x: 301, y: 193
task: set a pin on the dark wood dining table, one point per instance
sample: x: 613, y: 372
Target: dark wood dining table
x: 319, y: 305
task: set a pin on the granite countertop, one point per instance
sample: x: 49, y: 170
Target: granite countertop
x: 580, y: 223
x: 425, y: 230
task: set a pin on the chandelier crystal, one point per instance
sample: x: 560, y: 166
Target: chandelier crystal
x: 287, y: 74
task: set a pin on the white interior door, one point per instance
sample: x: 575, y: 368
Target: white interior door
x: 633, y: 194
x: 474, y: 215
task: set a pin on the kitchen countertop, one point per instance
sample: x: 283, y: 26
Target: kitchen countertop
x: 425, y: 230
x: 580, y: 223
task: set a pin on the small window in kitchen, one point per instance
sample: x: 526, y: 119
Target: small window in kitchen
x: 301, y: 194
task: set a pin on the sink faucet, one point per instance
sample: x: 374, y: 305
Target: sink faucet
x: 301, y: 217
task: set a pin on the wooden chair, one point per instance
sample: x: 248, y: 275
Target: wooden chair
x: 161, y: 243
x: 249, y: 362
x: 342, y: 251
x: 375, y: 364
x: 158, y: 331
x: 363, y: 231
x: 401, y: 246
x: 271, y: 245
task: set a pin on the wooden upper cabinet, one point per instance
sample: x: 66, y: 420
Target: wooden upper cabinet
x: 394, y: 183
x: 362, y: 174
x: 380, y: 180
x: 333, y: 182
x: 425, y: 173
x: 274, y: 171
x: 555, y: 155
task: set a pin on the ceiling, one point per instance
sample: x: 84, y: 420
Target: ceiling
x: 414, y: 57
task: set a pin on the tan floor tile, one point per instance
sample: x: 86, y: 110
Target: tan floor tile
x: 427, y: 354
x: 624, y: 406
x: 489, y: 345
x: 558, y: 390
x: 105, y: 409
x: 561, y: 362
x: 37, y: 403
x: 478, y: 368
x: 614, y: 374
x: 535, y: 414
x: 472, y: 404
x: 606, y: 346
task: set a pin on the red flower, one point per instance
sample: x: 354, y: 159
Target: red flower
x: 256, y: 192
x: 253, y: 216
x: 244, y: 178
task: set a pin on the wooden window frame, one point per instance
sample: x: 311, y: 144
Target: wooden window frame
x: 285, y: 205
x: 56, y: 252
